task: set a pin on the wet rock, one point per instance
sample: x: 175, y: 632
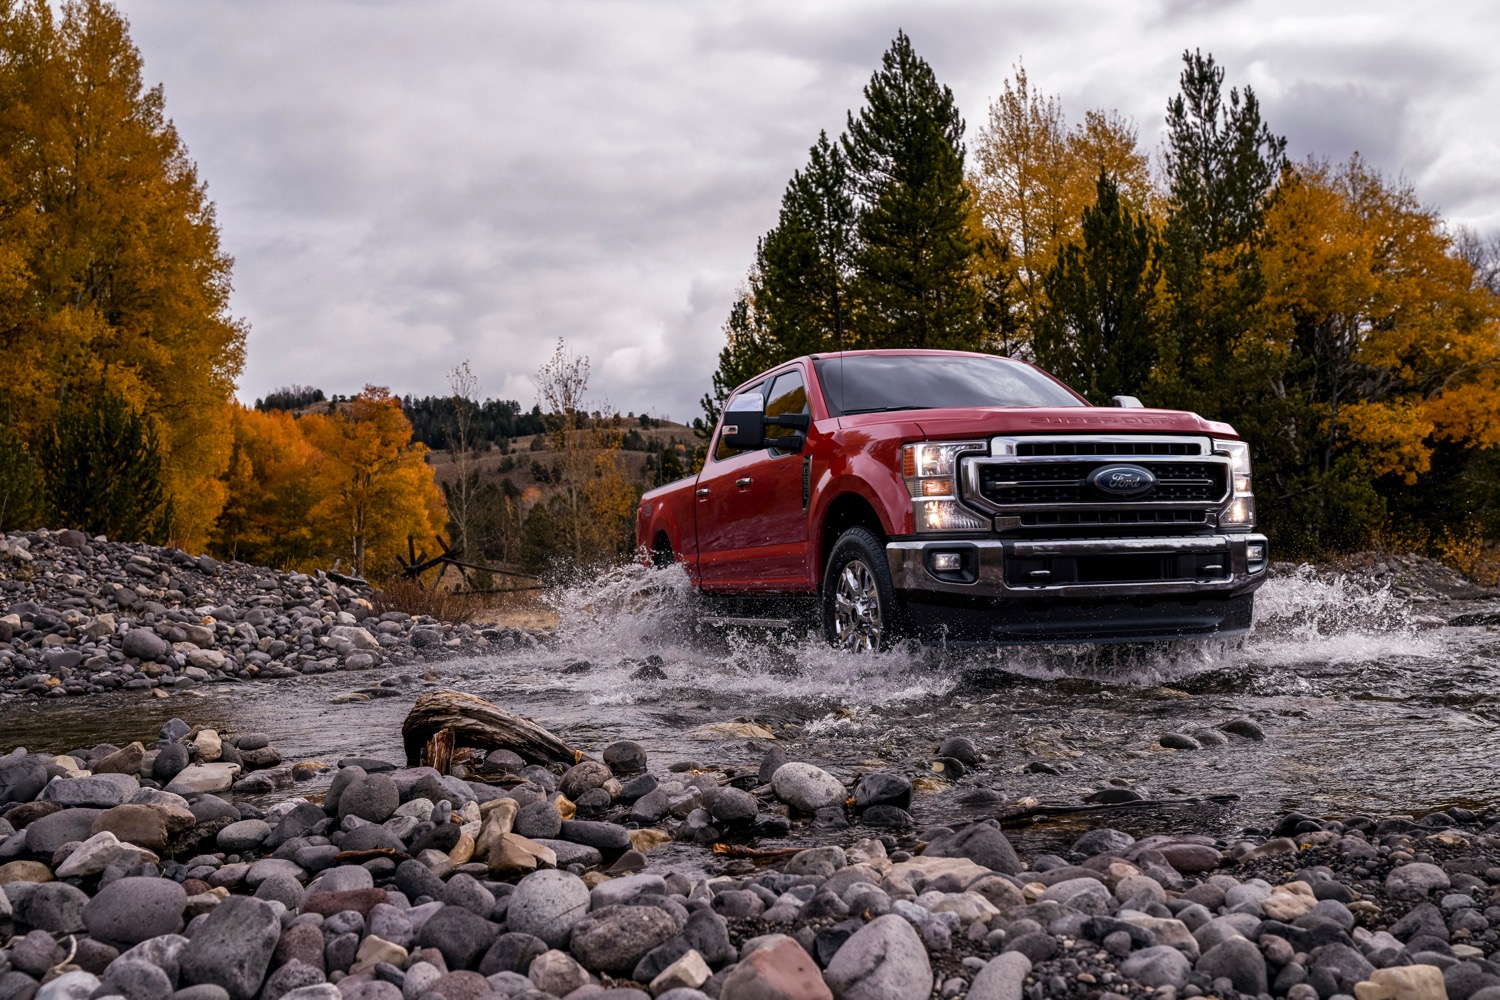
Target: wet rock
x: 982, y: 843
x: 1179, y: 741
x: 625, y: 757
x: 733, y: 807
x: 882, y: 789
x: 806, y: 788
x: 1244, y: 728
x: 1103, y: 840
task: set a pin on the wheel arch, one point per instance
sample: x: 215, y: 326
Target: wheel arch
x: 847, y: 510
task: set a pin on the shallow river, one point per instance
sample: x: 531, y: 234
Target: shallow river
x: 1362, y: 709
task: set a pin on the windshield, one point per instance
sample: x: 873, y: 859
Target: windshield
x: 874, y: 383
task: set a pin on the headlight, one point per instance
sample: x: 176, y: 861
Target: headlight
x: 1240, y: 513
x: 931, y: 473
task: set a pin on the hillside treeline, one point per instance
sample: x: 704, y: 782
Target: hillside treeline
x: 1341, y: 325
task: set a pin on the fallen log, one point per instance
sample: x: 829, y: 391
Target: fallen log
x: 478, y: 723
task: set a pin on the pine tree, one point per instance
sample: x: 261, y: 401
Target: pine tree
x: 1098, y: 330
x: 906, y: 160
x: 103, y: 470
x: 1222, y: 166
x: 805, y: 260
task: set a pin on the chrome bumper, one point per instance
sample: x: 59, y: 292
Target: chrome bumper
x: 985, y: 562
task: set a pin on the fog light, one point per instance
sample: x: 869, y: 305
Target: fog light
x: 946, y: 562
x: 1255, y: 553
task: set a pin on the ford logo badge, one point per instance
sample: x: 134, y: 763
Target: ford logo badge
x: 1122, y: 482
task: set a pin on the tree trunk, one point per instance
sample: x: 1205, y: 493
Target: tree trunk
x: 477, y: 723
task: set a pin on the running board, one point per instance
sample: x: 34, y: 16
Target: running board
x: 730, y: 622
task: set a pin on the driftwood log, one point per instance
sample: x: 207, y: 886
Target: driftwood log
x: 450, y: 719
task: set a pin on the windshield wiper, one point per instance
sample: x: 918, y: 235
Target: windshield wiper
x: 883, y: 409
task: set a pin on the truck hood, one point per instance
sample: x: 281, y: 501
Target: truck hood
x: 989, y: 421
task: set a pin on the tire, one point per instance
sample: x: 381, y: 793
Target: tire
x: 860, y: 612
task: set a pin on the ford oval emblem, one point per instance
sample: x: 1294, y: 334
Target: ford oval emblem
x: 1122, y: 482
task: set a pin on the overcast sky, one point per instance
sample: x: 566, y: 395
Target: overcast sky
x: 406, y: 184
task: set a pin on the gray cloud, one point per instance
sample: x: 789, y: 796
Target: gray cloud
x: 406, y: 185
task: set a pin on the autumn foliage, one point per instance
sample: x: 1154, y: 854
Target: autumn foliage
x: 350, y: 486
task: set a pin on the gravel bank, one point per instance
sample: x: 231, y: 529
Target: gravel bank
x: 82, y: 616
x: 144, y: 872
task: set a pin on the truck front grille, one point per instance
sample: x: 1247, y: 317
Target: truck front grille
x: 1020, y: 482
x: 1045, y: 482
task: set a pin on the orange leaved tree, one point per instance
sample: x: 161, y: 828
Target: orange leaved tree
x: 374, y: 485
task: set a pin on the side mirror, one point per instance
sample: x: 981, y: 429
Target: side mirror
x: 744, y: 426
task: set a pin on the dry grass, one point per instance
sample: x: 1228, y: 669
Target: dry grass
x: 415, y: 599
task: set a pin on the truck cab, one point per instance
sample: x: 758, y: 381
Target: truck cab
x: 964, y: 498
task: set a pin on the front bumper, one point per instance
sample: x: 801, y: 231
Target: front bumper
x: 1069, y: 590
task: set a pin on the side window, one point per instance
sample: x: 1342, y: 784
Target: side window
x: 788, y: 395
x: 722, y: 450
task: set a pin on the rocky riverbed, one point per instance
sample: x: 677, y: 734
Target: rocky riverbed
x: 149, y: 872
x: 1026, y: 823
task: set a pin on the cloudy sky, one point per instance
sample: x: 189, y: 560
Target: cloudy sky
x: 407, y: 184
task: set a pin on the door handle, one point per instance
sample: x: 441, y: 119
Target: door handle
x: 702, y: 493
x: 743, y: 482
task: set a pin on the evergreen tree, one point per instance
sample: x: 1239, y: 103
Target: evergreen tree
x: 906, y: 160
x: 103, y: 471
x: 748, y: 350
x: 805, y: 260
x: 1098, y: 330
x: 1222, y: 165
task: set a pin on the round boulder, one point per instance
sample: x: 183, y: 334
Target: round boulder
x: 373, y: 797
x: 625, y: 757
x: 583, y: 776
x: 130, y: 910
x: 547, y: 904
x: 806, y: 788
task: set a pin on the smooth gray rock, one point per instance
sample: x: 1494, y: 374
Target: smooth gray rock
x: 883, y: 960
x: 806, y: 787
x: 615, y: 938
x: 52, y: 906
x: 459, y: 934
x: 982, y: 843
x: 144, y: 644
x: 44, y: 836
x: 1237, y: 960
x: 1160, y: 965
x: 130, y: 910
x: 373, y: 797
x: 244, y: 836
x: 1002, y: 978
x: 547, y: 904
x: 1415, y: 880
x: 232, y: 948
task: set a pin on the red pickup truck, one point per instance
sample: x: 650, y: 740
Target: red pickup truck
x: 962, y: 498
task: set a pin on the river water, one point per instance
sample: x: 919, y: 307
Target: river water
x: 1365, y: 705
